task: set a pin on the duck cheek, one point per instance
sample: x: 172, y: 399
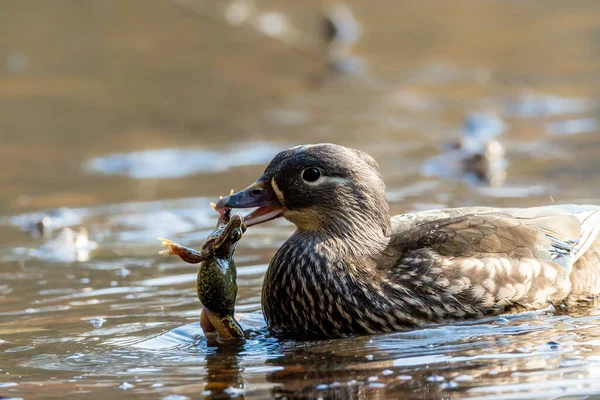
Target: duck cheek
x: 305, y: 220
x: 300, y: 197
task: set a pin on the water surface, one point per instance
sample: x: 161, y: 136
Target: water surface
x: 121, y: 121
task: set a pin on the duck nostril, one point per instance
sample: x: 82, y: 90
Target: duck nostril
x: 255, y: 192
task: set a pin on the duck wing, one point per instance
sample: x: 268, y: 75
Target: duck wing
x: 403, y: 222
x: 491, y: 258
x: 562, y: 232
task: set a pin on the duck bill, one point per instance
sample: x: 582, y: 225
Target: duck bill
x: 261, y: 195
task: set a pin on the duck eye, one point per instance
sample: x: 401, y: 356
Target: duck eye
x: 311, y: 174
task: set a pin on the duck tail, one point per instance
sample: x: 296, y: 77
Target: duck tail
x: 590, y: 227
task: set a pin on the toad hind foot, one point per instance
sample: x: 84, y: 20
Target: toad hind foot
x: 227, y: 327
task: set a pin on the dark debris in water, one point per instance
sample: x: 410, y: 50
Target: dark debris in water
x: 476, y: 157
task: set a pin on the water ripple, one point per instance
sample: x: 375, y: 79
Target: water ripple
x: 176, y: 163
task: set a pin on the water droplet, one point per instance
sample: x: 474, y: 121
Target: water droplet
x: 74, y: 356
x: 435, y: 378
x: 273, y: 23
x: 238, y: 11
x: 97, y: 322
x: 123, y: 272
x: 464, y: 378
x: 19, y: 349
x: 449, y: 385
x: 125, y: 386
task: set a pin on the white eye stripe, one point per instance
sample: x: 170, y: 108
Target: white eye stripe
x: 277, y: 191
x: 324, y: 179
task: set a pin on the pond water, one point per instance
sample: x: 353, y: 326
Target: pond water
x: 121, y: 121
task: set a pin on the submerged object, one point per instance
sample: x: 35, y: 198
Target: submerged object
x: 477, y: 156
x: 341, y: 31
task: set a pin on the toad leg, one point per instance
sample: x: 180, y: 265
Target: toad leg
x: 185, y: 253
x: 227, y: 327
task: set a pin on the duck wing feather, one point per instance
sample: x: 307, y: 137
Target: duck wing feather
x: 491, y: 257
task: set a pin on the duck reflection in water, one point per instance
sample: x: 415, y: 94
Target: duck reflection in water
x: 223, y: 371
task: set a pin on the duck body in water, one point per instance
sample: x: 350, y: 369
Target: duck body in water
x: 350, y: 269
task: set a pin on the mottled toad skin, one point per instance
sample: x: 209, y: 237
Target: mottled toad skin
x: 216, y: 283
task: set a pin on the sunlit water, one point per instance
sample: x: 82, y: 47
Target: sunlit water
x: 121, y: 121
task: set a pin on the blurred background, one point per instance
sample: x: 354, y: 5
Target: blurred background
x: 121, y: 120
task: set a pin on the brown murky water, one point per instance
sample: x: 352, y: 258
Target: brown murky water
x: 127, y: 117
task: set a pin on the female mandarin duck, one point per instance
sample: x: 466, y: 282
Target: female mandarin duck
x: 350, y: 269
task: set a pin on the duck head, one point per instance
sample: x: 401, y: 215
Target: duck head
x: 324, y: 187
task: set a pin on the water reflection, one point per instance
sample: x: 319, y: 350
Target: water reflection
x: 223, y: 370
x: 533, y: 105
x: 177, y: 163
x: 523, y: 348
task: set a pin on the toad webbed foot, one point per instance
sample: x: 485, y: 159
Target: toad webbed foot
x: 185, y: 253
